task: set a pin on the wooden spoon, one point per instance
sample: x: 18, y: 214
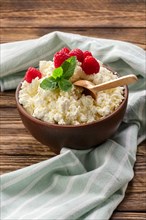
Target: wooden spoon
x: 93, y: 89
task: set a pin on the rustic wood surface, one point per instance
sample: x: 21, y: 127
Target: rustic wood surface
x: 112, y: 19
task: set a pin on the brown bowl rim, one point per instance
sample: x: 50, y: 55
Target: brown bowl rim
x: 35, y: 120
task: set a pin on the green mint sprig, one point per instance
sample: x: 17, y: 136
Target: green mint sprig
x: 60, y: 76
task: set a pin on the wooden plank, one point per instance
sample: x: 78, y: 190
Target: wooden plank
x: 15, y: 163
x: 132, y: 35
x: 68, y: 14
x: 28, y: 148
x: 132, y: 200
x: 113, y: 5
x: 128, y: 216
x: 96, y: 19
x: 7, y: 99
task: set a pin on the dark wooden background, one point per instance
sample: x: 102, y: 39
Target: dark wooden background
x: 112, y: 19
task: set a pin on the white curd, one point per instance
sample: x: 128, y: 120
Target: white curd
x: 73, y: 107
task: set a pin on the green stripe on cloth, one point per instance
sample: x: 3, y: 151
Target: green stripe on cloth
x: 76, y: 185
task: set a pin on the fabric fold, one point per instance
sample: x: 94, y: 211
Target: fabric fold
x: 16, y: 57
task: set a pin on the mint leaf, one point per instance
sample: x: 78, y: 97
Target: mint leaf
x: 65, y: 85
x: 49, y: 83
x: 60, y: 76
x: 57, y: 73
x: 65, y: 65
x: 68, y: 67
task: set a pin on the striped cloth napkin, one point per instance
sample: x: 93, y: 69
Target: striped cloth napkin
x: 76, y: 185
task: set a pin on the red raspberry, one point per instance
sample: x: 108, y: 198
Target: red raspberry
x: 87, y: 53
x: 65, y: 50
x: 90, y: 65
x: 78, y: 53
x: 31, y: 74
x: 59, y: 58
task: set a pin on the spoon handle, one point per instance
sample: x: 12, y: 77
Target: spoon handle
x: 124, y: 80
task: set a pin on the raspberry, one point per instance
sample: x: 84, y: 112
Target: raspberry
x: 90, y: 65
x: 31, y: 74
x: 87, y: 53
x: 59, y: 58
x: 65, y: 50
x: 78, y: 53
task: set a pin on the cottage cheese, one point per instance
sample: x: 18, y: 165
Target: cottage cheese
x: 73, y: 107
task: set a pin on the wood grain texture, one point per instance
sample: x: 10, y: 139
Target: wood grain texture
x: 91, y: 13
x: 111, y: 19
x: 128, y: 216
x: 131, y: 35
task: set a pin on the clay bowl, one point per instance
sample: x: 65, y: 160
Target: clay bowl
x: 75, y: 137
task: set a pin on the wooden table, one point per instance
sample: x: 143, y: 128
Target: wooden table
x: 113, y: 19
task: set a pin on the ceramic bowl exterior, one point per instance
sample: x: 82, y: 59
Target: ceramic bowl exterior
x: 77, y: 137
